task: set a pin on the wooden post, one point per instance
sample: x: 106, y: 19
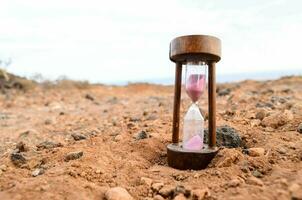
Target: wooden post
x: 212, y: 104
x: 176, y: 108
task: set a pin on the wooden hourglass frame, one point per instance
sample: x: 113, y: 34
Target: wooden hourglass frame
x: 185, y: 49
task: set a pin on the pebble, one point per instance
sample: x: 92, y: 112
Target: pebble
x: 257, y: 174
x: 18, y: 159
x: 99, y: 171
x: 141, y: 135
x: 260, y: 114
x: 3, y: 168
x: 118, y: 138
x: 89, y: 97
x: 113, y: 100
x: 158, y: 197
x: 134, y: 119
x: 265, y: 105
x: 73, y: 155
x: 254, y: 181
x: 199, y: 194
x: 255, y: 152
x: 255, y: 122
x: 233, y: 183
x: 296, y: 191
x: 299, y: 129
x: 224, y: 92
x: 157, y: 186
x: 281, y: 150
x: 117, y: 193
x: 180, y: 197
x: 227, y: 157
x: 37, y: 172
x: 48, y: 145
x: 277, y: 119
x: 226, y: 136
x: 146, y: 181
x: 48, y: 121
x: 166, y: 191
x: 180, y: 189
x: 21, y: 147
x: 276, y: 99
x: 78, y: 136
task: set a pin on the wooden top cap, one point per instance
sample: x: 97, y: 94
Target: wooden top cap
x: 195, y: 48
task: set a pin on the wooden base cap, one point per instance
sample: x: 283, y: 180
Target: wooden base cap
x: 180, y: 158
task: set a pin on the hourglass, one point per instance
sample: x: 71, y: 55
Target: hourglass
x: 199, y: 54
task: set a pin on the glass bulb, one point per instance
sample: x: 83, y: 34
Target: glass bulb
x: 195, y: 84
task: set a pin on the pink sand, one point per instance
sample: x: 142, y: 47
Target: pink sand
x: 195, y: 86
x: 195, y: 143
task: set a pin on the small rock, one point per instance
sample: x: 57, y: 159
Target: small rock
x: 158, y: 197
x: 166, y: 191
x: 226, y: 136
x: 255, y: 152
x: 267, y: 91
x: 180, y: 197
x: 18, y: 159
x: 297, y: 195
x: 48, y: 121
x: 294, y: 187
x: 245, y: 169
x: 152, y: 117
x: 255, y: 122
x: 226, y: 157
x: 224, y: 92
x: 254, y: 181
x: 281, y: 150
x: 113, y: 100
x: 134, y: 119
x: 299, y: 129
x: 78, y: 136
x: 180, y: 189
x: 37, y: 172
x: 48, y: 145
x: 118, y: 138
x: 99, y: 171
x: 277, y: 119
x: 296, y: 191
x: 257, y: 174
x: 73, y: 155
x: 141, y: 135
x: 89, y: 97
x: 200, y: 194
x: 179, y: 177
x: 117, y: 193
x: 157, y: 186
x: 3, y: 168
x: 260, y: 114
x: 146, y: 181
x: 265, y: 105
x: 233, y: 183
x: 21, y: 147
x: 276, y: 99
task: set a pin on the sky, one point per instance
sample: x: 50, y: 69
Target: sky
x: 114, y: 41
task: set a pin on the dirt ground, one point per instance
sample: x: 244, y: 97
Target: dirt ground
x: 68, y: 142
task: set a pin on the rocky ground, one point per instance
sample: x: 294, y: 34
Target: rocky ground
x: 79, y: 141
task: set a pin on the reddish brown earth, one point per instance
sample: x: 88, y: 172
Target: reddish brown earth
x: 265, y: 114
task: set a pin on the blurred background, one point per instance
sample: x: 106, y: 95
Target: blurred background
x: 117, y: 42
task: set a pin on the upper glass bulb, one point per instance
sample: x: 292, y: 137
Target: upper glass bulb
x: 195, y: 79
